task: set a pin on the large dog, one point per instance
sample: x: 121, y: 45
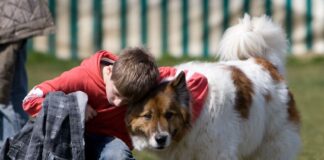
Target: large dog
x: 249, y: 112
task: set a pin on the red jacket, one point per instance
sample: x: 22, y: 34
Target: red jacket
x: 87, y: 78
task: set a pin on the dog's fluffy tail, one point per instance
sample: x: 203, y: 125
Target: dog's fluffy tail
x: 255, y: 37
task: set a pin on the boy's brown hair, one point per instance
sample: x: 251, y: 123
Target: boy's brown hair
x: 134, y: 73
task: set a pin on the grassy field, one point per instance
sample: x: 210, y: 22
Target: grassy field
x: 305, y: 77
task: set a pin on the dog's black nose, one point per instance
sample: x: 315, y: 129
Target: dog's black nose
x: 161, y: 139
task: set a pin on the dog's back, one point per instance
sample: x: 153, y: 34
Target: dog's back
x: 249, y: 113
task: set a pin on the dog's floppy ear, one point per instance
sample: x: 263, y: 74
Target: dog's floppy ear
x: 180, y: 88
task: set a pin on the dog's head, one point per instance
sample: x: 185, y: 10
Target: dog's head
x: 162, y: 118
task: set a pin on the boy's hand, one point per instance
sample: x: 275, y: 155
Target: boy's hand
x: 90, y: 113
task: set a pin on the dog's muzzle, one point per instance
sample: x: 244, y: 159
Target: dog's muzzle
x: 161, y: 140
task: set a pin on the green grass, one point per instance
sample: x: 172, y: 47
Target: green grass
x: 42, y: 67
x: 305, y: 77
x: 306, y: 80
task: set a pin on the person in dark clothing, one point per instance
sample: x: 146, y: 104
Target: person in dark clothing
x: 19, y: 21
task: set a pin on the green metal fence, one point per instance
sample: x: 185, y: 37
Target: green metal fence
x: 177, y: 27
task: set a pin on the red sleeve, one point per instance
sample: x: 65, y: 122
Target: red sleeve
x: 67, y: 82
x: 197, y: 85
x: 167, y: 72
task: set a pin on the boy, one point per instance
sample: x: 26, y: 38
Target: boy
x: 103, y: 77
x: 116, y: 81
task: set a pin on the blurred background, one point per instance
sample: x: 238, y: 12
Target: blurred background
x: 175, y: 27
x: 181, y: 30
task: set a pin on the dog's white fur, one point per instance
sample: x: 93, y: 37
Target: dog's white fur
x: 259, y: 37
x: 220, y: 133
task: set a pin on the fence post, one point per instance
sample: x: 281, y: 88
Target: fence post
x: 165, y: 26
x: 52, y: 37
x: 205, y: 27
x: 74, y: 28
x: 185, y: 27
x: 144, y: 22
x: 246, y: 6
x: 97, y: 24
x: 226, y: 14
x: 289, y: 22
x: 123, y: 22
x: 268, y: 7
x: 309, y: 36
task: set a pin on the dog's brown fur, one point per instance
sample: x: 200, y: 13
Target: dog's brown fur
x: 273, y: 71
x: 293, y: 113
x: 244, y: 91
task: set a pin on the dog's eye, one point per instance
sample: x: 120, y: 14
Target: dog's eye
x: 168, y: 115
x: 147, y: 116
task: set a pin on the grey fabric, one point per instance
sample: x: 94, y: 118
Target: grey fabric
x: 56, y: 133
x: 7, y: 67
x: 15, y: 148
x: 20, y: 19
x: 82, y: 99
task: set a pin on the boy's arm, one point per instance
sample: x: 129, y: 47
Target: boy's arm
x: 196, y: 83
x: 67, y: 82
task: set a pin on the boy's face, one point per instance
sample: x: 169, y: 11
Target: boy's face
x: 113, y: 96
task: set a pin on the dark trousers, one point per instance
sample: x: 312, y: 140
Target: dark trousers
x: 13, y: 87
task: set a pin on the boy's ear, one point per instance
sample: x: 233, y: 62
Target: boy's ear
x: 108, y: 70
x: 106, y: 73
x: 180, y: 88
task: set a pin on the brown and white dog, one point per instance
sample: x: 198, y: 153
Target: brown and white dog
x: 249, y: 112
